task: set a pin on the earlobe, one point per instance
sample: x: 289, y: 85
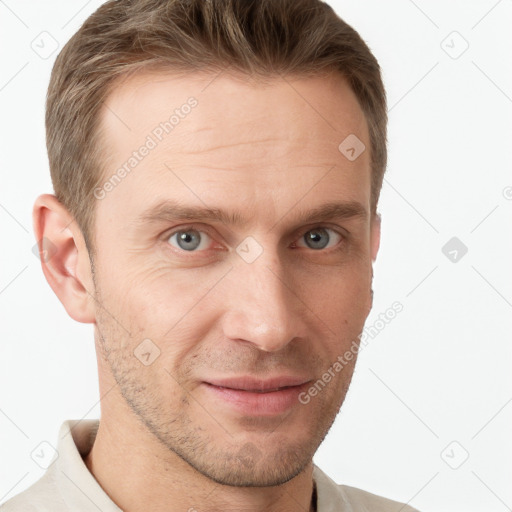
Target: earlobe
x: 64, y: 257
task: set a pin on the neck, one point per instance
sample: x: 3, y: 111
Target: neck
x: 139, y: 474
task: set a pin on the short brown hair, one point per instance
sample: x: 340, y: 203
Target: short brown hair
x: 256, y: 37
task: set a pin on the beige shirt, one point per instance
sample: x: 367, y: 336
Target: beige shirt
x: 68, y: 486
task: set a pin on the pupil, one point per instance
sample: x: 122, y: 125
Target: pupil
x: 188, y: 240
x: 315, y: 238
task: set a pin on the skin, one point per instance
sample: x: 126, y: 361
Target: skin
x: 268, y: 151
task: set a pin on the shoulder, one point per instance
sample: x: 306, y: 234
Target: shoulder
x: 41, y: 496
x: 332, y: 496
x: 366, y: 501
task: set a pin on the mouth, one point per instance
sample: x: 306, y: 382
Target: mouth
x: 257, y: 397
x: 257, y: 390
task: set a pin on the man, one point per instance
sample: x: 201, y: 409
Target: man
x: 217, y: 167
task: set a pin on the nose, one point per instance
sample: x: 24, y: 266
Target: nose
x: 263, y: 307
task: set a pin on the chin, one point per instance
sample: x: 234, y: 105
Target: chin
x: 244, y: 471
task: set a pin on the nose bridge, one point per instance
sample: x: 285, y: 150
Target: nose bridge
x: 264, y: 309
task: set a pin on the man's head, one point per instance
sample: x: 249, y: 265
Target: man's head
x: 241, y: 107
x: 267, y: 38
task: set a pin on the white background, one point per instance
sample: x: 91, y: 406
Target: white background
x: 439, y: 372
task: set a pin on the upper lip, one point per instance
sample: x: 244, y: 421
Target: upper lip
x: 250, y: 383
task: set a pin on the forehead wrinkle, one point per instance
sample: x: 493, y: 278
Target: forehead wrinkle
x: 202, y: 140
x: 217, y: 147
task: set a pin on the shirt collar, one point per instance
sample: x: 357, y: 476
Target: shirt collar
x: 77, y: 486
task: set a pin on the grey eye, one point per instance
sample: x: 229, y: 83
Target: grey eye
x: 189, y: 240
x: 319, y: 238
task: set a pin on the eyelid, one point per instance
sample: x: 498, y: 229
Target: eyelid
x: 205, y: 229
x: 343, y: 237
x: 187, y: 227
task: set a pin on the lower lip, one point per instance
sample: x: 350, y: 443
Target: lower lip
x: 258, y: 404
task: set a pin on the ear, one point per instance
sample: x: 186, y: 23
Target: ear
x: 375, y: 235
x: 64, y: 257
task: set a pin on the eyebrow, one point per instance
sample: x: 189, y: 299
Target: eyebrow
x: 171, y: 210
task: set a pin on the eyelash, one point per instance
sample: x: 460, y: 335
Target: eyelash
x: 341, y: 242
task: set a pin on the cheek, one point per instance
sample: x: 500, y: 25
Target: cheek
x: 139, y: 290
x: 342, y: 302
x: 336, y: 290
x: 172, y: 309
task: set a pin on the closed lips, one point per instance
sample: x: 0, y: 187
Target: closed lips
x: 250, y: 384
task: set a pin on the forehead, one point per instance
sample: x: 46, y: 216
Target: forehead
x: 217, y: 134
x: 230, y: 102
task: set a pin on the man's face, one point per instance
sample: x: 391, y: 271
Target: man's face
x: 268, y: 297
